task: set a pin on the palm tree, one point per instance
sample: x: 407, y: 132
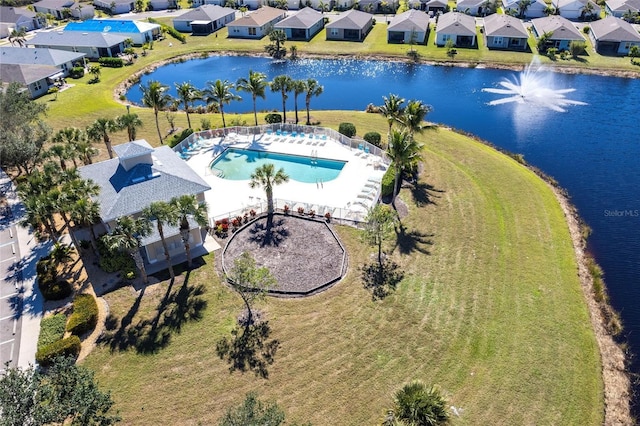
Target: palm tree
x: 131, y: 122
x: 276, y: 48
x: 256, y: 84
x: 59, y: 151
x: 187, y: 93
x: 72, y: 138
x: 282, y: 84
x: 297, y: 87
x: 154, y: 96
x: 126, y: 236
x: 86, y: 151
x: 413, y: 116
x: 419, y: 405
x: 18, y: 36
x: 86, y: 212
x: 392, y: 110
x: 188, y: 207
x: 162, y: 213
x: 100, y: 129
x: 312, y: 88
x: 403, y: 151
x: 38, y: 213
x: 219, y: 94
x: 266, y: 177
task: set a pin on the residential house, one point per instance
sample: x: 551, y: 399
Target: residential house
x: 613, y: 36
x: 204, y: 20
x: 562, y: 31
x: 352, y: 25
x: 476, y: 7
x: 198, y: 3
x: 138, y: 176
x: 302, y: 25
x: 535, y: 9
x: 139, y: 31
x: 63, y: 60
x: 342, y: 4
x: 16, y: 18
x: 505, y: 32
x: 63, y: 9
x: 435, y: 6
x: 36, y: 78
x: 619, y: 8
x: 163, y: 4
x: 115, y: 7
x: 456, y: 26
x: 93, y: 45
x: 576, y: 9
x: 256, y: 24
x: 411, y: 26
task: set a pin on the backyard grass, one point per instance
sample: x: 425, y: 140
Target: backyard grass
x: 490, y: 310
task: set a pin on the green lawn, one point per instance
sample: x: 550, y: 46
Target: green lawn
x: 490, y: 310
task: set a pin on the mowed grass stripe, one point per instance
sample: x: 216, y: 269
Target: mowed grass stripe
x: 493, y: 314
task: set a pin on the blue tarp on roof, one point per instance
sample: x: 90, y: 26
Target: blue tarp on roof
x: 103, y: 26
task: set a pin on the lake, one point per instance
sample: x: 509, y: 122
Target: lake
x: 592, y: 150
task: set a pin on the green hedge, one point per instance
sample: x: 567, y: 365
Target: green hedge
x: 64, y: 347
x: 179, y: 137
x: 48, y: 283
x: 373, y: 138
x: 387, y: 181
x: 51, y: 329
x: 85, y: 315
x: 172, y: 31
x: 347, y: 129
x: 111, y: 62
x: 76, y: 72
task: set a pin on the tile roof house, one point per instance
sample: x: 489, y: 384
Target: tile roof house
x: 138, y: 176
x: 618, y: 8
x: 613, y: 36
x: 534, y: 10
x: 435, y: 6
x: 472, y: 7
x: 204, y: 20
x: 576, y: 9
x: 302, y: 25
x: 456, y: 26
x: 115, y: 7
x: 563, y: 31
x: 63, y: 60
x: 256, y: 24
x: 94, y: 45
x: 138, y: 31
x: 412, y: 23
x: 58, y: 8
x: 35, y: 78
x: 352, y: 25
x: 505, y: 32
x: 17, y: 17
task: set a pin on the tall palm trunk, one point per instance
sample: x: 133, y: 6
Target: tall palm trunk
x: 186, y: 110
x: 167, y: 256
x: 396, y: 181
x: 184, y: 233
x: 224, y: 124
x: 158, y: 127
x: 137, y: 258
x: 255, y: 111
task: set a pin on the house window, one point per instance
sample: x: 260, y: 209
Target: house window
x: 446, y: 37
x: 252, y: 31
x: 497, y: 41
x: 37, y: 86
x: 334, y: 32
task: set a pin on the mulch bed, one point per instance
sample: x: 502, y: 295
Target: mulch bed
x: 303, y: 255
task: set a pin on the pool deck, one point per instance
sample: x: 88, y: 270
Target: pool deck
x: 347, y: 197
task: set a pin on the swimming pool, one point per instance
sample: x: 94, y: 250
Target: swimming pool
x: 239, y: 164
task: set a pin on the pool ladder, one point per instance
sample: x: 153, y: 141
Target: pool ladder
x: 314, y: 157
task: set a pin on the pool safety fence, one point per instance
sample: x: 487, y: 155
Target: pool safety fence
x: 231, y: 134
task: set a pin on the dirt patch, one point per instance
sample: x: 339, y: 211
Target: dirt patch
x: 303, y: 255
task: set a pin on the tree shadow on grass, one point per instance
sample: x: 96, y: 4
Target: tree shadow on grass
x: 147, y: 336
x: 424, y: 193
x: 264, y: 235
x: 381, y: 280
x: 249, y: 349
x: 408, y: 242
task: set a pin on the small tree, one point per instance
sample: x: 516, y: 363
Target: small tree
x: 451, y: 50
x: 253, y: 412
x: 267, y: 177
x: 417, y: 404
x: 251, y: 282
x: 577, y: 48
x: 95, y: 72
x: 276, y: 47
x: 347, y: 129
x: 634, y: 53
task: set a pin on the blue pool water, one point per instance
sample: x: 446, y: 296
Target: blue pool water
x: 239, y: 164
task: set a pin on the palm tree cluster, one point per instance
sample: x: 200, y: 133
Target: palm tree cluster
x: 416, y: 404
x: 403, y: 150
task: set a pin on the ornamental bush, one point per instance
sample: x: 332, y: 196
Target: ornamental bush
x: 387, y: 181
x: 179, y: 137
x: 76, y: 72
x: 273, y: 118
x: 373, y: 138
x: 85, y: 315
x: 69, y: 347
x: 114, y: 260
x: 347, y: 129
x: 51, y: 329
x: 111, y: 62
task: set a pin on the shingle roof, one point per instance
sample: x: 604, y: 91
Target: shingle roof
x: 305, y: 18
x: 410, y: 20
x: 56, y: 4
x: 464, y: 4
x: 132, y: 149
x: 614, y: 29
x: 74, y: 38
x: 111, y: 26
x: 513, y: 4
x: 560, y: 27
x: 504, y: 26
x: 436, y: 3
x: 575, y: 4
x: 37, y: 56
x: 457, y: 24
x: 25, y: 74
x: 623, y: 5
x: 351, y: 20
x: 11, y: 14
x: 128, y: 192
x: 257, y: 18
x: 207, y: 12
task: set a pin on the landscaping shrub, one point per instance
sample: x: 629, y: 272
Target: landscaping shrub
x: 172, y: 31
x: 347, y: 129
x: 76, y: 72
x: 179, y: 137
x: 51, y: 329
x: 111, y: 62
x: 69, y: 347
x: 48, y: 283
x: 113, y: 260
x: 85, y: 315
x: 273, y: 118
x: 373, y: 138
x: 387, y: 181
